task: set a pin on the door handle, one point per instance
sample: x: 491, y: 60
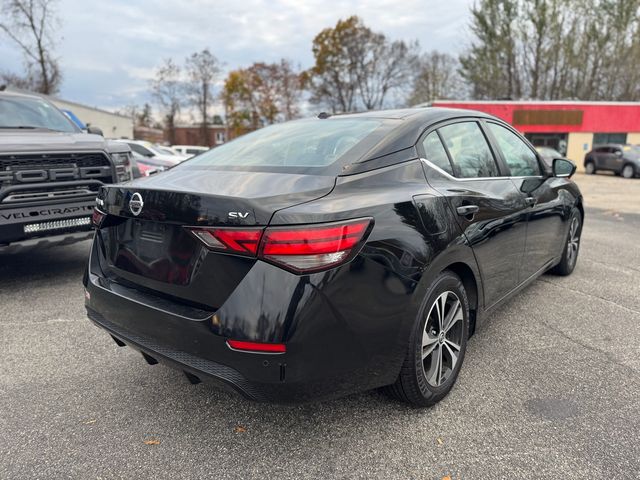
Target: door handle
x: 467, y: 210
x: 531, y: 201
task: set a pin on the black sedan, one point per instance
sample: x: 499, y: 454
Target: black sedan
x: 331, y: 255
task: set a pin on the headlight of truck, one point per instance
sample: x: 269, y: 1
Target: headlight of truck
x: 122, y: 161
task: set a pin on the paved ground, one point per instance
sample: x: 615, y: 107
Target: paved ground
x: 550, y: 388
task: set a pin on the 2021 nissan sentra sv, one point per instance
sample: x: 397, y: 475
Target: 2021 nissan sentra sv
x: 331, y: 255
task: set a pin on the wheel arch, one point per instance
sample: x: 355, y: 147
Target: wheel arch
x: 580, y: 208
x: 470, y: 283
x: 461, y: 261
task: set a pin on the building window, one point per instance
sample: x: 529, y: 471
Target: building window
x: 601, y: 138
x: 220, y: 137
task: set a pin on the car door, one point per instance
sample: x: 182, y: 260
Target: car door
x: 604, y: 158
x: 490, y: 210
x: 615, y: 160
x: 545, y: 220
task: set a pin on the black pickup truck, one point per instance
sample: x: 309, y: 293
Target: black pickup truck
x: 50, y: 172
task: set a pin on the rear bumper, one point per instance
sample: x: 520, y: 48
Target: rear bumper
x: 339, y: 335
x: 223, y: 376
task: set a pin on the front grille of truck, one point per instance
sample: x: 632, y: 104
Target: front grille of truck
x: 43, y: 187
x: 28, y: 161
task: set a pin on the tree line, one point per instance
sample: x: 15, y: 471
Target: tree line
x: 519, y: 49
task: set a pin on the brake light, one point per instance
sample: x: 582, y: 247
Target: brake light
x: 257, y: 346
x: 311, y: 248
x: 300, y: 249
x: 243, y: 241
x: 97, y: 217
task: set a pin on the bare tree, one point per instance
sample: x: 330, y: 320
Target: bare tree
x: 29, y: 23
x: 356, y: 67
x: 437, y: 78
x: 554, y: 49
x: 167, y: 90
x: 491, y: 64
x: 290, y: 87
x: 383, y: 67
x: 203, y: 68
x: 333, y: 80
x: 260, y: 95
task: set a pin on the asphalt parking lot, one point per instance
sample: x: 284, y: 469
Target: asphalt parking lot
x: 550, y: 387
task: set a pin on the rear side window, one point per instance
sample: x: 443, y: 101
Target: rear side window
x: 435, y: 152
x: 302, y: 143
x: 470, y: 152
x: 520, y: 159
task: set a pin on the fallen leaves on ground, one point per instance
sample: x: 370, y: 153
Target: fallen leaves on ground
x: 152, y: 442
x: 439, y: 440
x: 89, y: 422
x: 239, y: 429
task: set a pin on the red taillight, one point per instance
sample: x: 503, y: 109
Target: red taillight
x: 311, y: 248
x: 257, y: 347
x: 301, y: 249
x: 244, y: 241
x: 97, y: 218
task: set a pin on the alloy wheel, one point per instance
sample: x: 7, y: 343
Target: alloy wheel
x: 573, y: 242
x: 627, y: 171
x: 442, y: 338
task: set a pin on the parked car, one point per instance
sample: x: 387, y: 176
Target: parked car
x: 622, y: 159
x: 189, y: 150
x: 50, y: 172
x: 549, y: 154
x: 148, y: 165
x: 149, y: 150
x: 325, y: 256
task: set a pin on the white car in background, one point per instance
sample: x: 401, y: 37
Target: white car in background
x: 189, y: 150
x: 150, y: 150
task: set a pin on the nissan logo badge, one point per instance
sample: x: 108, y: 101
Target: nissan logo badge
x: 136, y: 204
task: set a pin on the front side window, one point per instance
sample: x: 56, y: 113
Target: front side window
x: 435, y: 152
x: 520, y: 159
x: 470, y: 152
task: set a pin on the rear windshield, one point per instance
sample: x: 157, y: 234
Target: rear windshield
x: 297, y: 145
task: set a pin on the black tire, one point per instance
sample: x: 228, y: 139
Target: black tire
x: 628, y: 171
x: 590, y: 168
x: 412, y: 385
x: 568, y: 261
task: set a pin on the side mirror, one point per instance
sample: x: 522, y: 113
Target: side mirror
x: 95, y: 130
x: 618, y: 153
x: 563, y: 168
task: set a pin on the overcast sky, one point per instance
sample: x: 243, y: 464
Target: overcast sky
x: 108, y: 50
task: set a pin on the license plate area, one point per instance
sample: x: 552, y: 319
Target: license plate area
x: 153, y: 250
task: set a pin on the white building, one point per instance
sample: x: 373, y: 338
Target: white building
x: 112, y: 124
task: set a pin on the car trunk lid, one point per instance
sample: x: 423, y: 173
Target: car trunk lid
x: 145, y: 243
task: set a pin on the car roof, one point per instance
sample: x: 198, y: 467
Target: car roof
x: 401, y: 128
x: 415, y: 114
